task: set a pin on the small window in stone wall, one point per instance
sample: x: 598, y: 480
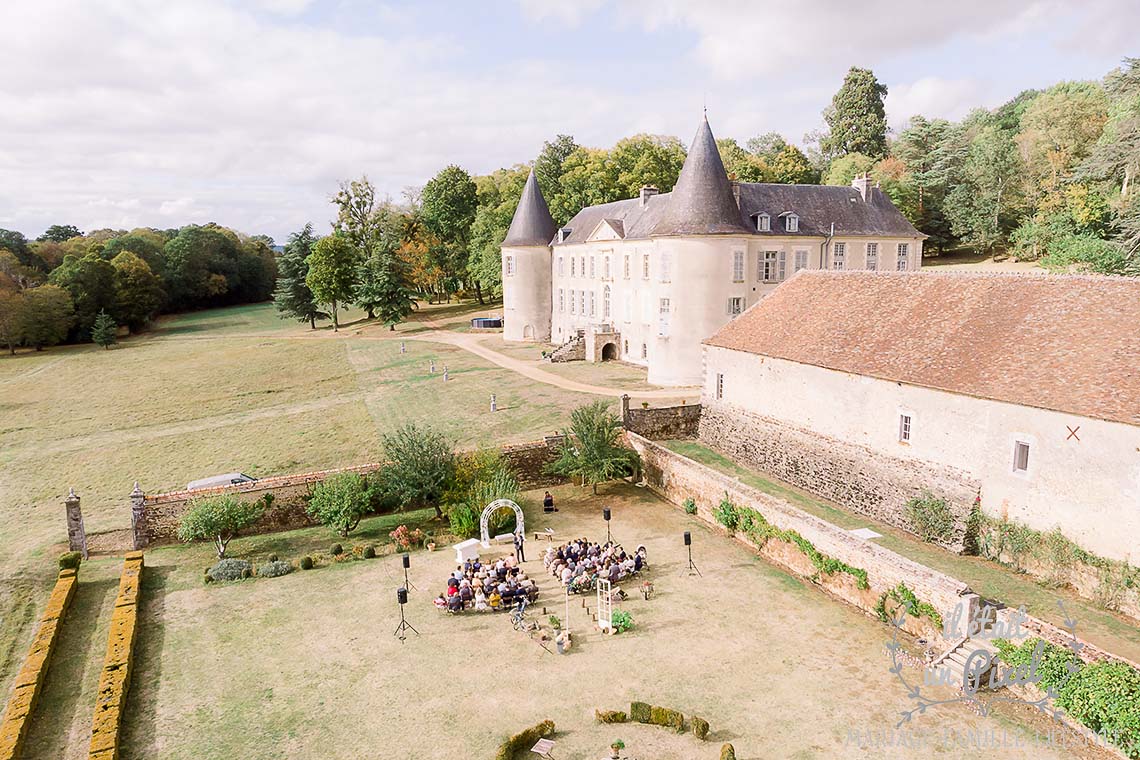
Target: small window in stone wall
x: 904, y: 428
x: 644, y: 351
x: 1020, y: 456
x: 719, y: 385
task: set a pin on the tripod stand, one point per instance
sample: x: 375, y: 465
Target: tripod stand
x: 402, y: 599
x: 408, y: 583
x: 693, y: 565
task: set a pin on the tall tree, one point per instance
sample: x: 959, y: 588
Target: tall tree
x: 293, y: 298
x: 933, y: 155
x: 647, y: 160
x: 91, y: 283
x: 48, y: 316
x: 741, y: 165
x: 332, y: 272
x: 13, y: 305
x: 856, y: 118
x: 420, y: 465
x: 548, y: 164
x: 447, y: 208
x: 499, y: 195
x: 1057, y: 131
x: 138, y: 291
x: 58, y: 233
x: 983, y: 207
x: 591, y: 449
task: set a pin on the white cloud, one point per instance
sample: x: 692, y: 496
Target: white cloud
x: 935, y: 97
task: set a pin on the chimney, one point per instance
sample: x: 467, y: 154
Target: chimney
x: 736, y: 193
x: 862, y: 183
x: 646, y: 192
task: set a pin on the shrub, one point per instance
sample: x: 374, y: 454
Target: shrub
x: 369, y: 552
x: 622, y: 620
x: 639, y: 711
x: 555, y: 623
x: 70, y: 560
x: 610, y: 716
x: 463, y: 520
x: 931, y: 517
x: 273, y: 558
x: 218, y: 518
x: 407, y: 539
x: 690, y: 507
x: 726, y: 514
x: 727, y: 752
x: 617, y: 744
x: 336, y: 550
x: 421, y: 462
x: 663, y: 716
x: 339, y: 502
x: 228, y: 570
x: 306, y: 563
x: 700, y: 727
x: 274, y: 569
x: 524, y: 740
x: 1105, y: 696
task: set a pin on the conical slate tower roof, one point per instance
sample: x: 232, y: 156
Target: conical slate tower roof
x: 702, y: 202
x: 532, y: 223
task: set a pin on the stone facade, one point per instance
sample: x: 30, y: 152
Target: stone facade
x: 677, y: 478
x: 856, y: 477
x: 663, y: 423
x: 573, y: 350
x: 155, y: 517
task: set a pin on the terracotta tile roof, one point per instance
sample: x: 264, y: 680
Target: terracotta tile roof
x: 1066, y: 343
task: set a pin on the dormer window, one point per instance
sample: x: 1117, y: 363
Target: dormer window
x: 792, y: 223
x: 563, y: 233
x: 763, y: 223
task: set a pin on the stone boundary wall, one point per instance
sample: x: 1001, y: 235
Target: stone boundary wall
x: 860, y: 479
x: 155, y: 517
x: 115, y: 679
x: 1059, y: 636
x: 677, y: 478
x: 30, y: 680
x: 661, y: 423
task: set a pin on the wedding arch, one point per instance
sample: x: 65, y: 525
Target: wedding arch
x: 492, y: 508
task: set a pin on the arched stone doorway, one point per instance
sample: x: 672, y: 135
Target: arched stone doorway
x: 492, y: 508
x: 609, y: 352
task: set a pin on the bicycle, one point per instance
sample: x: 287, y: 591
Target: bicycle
x: 518, y: 615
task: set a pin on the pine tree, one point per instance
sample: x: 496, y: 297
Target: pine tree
x: 856, y: 117
x: 103, y: 331
x: 293, y: 298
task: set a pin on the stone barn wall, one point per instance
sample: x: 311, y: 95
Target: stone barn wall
x: 155, y: 517
x: 856, y: 477
x: 677, y: 478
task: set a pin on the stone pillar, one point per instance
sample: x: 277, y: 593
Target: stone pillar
x: 625, y: 410
x: 138, y: 517
x: 494, y: 406
x: 445, y: 373
x: 76, y: 535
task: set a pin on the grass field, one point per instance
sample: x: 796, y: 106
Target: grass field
x: 219, y: 391
x: 307, y: 665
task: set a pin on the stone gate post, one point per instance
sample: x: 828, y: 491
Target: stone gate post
x: 76, y: 535
x: 138, y: 517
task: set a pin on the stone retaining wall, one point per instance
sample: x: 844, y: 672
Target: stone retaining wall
x: 115, y: 679
x: 661, y: 423
x: 677, y: 479
x: 30, y: 680
x: 155, y: 517
x: 858, y: 478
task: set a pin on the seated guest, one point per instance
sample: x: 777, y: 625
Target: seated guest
x: 480, y: 601
x: 494, y: 601
x: 454, y: 604
x: 440, y: 603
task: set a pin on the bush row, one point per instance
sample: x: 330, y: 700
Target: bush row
x: 643, y: 712
x: 115, y: 679
x: 13, y: 727
x: 1104, y: 696
x: 524, y: 740
x: 237, y: 569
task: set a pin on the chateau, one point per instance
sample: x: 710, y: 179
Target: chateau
x: 1021, y: 391
x: 645, y: 280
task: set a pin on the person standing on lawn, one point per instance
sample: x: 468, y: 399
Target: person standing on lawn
x: 520, y: 539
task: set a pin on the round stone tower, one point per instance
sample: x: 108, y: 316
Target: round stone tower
x: 527, y: 276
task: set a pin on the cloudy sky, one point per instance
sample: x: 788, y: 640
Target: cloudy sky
x: 124, y: 113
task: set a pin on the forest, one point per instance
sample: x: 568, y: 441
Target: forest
x: 1048, y: 176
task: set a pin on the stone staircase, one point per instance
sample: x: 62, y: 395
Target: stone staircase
x: 953, y: 661
x: 573, y: 350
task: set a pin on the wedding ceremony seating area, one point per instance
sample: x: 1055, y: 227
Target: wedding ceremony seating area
x: 486, y: 586
x: 579, y: 564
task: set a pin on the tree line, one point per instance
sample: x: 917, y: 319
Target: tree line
x: 70, y: 286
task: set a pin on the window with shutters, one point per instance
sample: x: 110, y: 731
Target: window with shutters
x: 593, y: 267
x: 738, y: 266
x: 763, y: 223
x: 582, y: 302
x: 644, y: 351
x: 782, y: 269
x: 510, y: 266
x: 768, y: 263
x: 903, y: 262
x: 719, y: 385
x: 592, y: 303
x: 872, y: 256
x: 561, y: 300
x: 573, y: 267
x: 735, y: 306
x: 582, y: 265
x: 645, y: 266
x: 573, y: 303
x: 606, y: 302
x: 801, y: 260
x: 606, y: 268
x: 792, y: 223
x: 904, y: 428
x: 838, y: 255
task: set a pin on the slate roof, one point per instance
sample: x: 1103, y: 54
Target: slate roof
x: 1066, y: 343
x: 702, y: 201
x: 532, y: 223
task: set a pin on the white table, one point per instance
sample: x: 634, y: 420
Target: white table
x: 465, y: 550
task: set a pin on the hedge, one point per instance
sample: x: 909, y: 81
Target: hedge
x: 29, y: 681
x: 115, y: 679
x: 663, y: 716
x: 521, y: 741
x: 639, y: 712
x: 610, y: 716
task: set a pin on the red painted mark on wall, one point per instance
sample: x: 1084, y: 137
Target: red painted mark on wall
x: 1073, y: 432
